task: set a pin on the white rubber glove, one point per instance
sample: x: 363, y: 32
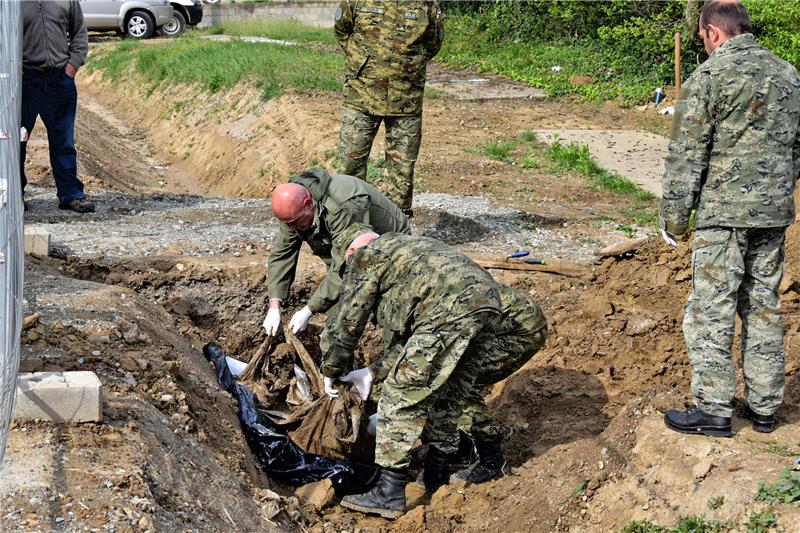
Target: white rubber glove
x: 299, y: 321
x: 668, y: 237
x: 272, y: 322
x: 362, y: 379
x: 372, y: 425
x: 330, y: 390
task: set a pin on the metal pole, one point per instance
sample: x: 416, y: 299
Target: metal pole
x: 11, y: 210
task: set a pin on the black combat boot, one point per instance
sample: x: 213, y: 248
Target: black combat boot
x: 437, y: 469
x: 387, y: 498
x: 489, y: 466
x: 761, y: 423
x: 696, y: 421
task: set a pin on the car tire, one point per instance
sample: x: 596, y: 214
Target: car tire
x: 139, y: 25
x: 176, y: 26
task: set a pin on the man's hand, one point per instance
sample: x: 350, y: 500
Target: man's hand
x: 71, y: 71
x: 330, y: 390
x: 362, y: 379
x: 273, y: 321
x: 668, y: 237
x: 299, y: 321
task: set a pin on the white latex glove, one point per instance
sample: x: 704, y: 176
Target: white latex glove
x: 272, y: 322
x: 668, y: 237
x: 362, y: 379
x: 372, y: 425
x: 299, y: 321
x: 330, y: 390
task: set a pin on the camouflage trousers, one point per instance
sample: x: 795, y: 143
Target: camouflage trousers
x: 736, y: 270
x: 427, y: 386
x: 403, y: 136
x: 500, y: 357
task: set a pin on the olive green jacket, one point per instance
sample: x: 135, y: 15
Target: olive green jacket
x: 387, y: 46
x: 339, y: 201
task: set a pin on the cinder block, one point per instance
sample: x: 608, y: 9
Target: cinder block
x: 37, y: 241
x: 59, y: 396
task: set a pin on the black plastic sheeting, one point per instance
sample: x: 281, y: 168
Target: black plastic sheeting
x: 279, y: 456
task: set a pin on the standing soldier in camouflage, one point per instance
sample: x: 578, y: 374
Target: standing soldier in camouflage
x: 387, y: 46
x: 734, y: 158
x: 437, y: 309
x: 315, y: 207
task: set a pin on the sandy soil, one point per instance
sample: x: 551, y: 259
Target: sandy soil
x: 175, y: 256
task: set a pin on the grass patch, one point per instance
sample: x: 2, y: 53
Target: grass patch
x: 761, y: 522
x: 375, y: 169
x: 779, y: 449
x: 528, y: 136
x: 642, y: 526
x: 606, y: 75
x: 576, y: 157
x: 287, y: 30
x: 786, y: 490
x: 220, y: 65
x: 500, y: 150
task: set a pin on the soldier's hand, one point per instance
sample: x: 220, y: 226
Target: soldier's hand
x: 330, y: 390
x: 272, y: 321
x: 362, y: 380
x: 299, y: 321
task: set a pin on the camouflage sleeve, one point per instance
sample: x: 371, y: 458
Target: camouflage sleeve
x: 434, y: 35
x: 342, y: 331
x: 344, y: 22
x: 381, y: 367
x: 687, y: 159
x: 283, y: 262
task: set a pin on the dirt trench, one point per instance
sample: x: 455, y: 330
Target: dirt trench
x: 581, y: 421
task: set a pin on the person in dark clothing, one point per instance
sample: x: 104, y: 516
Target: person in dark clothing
x: 54, y: 46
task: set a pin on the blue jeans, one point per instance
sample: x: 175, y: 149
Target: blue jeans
x: 52, y: 95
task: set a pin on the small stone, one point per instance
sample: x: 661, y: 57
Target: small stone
x: 701, y: 469
x: 96, y: 353
x: 601, y: 465
x: 320, y: 494
x: 142, y: 363
x: 167, y: 398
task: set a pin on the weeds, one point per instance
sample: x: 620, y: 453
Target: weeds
x: 643, y: 526
x: 499, y: 150
x: 700, y: 524
x: 716, y: 502
x: 786, y: 490
x: 779, y: 449
x: 627, y: 229
x: 375, y: 169
x: 579, y: 488
x: 761, y: 522
x: 530, y: 162
x: 528, y: 136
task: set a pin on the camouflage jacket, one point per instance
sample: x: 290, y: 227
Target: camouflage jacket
x: 339, y: 201
x: 387, y: 46
x: 520, y: 317
x: 735, y: 152
x: 412, y: 284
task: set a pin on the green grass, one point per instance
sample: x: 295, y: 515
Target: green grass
x: 576, y: 157
x: 528, y: 136
x: 375, y: 169
x: 643, y: 526
x: 786, y: 490
x: 779, y: 449
x: 220, y: 65
x: 288, y: 30
x: 761, y: 522
x: 467, y: 45
x: 500, y: 150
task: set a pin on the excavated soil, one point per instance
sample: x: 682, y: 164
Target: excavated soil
x: 134, y: 291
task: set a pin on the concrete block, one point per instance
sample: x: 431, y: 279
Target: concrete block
x: 59, y: 396
x: 37, y: 241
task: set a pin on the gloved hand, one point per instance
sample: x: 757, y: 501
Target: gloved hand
x: 372, y: 425
x: 668, y: 237
x: 272, y: 321
x: 299, y: 321
x: 330, y: 390
x: 362, y: 379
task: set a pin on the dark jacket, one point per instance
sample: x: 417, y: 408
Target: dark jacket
x: 53, y: 34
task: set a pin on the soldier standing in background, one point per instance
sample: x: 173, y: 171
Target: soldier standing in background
x: 387, y: 46
x: 734, y: 157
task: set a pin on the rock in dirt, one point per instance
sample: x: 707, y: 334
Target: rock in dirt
x: 599, y: 308
x: 701, y: 469
x: 320, y: 494
x: 619, y: 248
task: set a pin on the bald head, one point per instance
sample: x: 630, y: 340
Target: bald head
x: 292, y: 204
x: 360, y: 241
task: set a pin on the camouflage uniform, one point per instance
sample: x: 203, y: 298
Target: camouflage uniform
x: 339, y: 201
x: 519, y: 335
x: 734, y: 158
x: 437, y: 309
x: 387, y: 46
